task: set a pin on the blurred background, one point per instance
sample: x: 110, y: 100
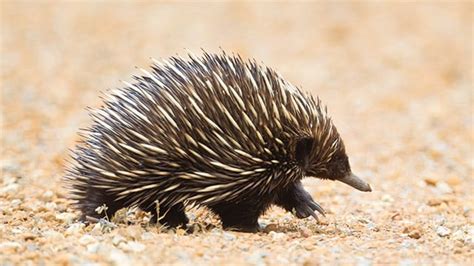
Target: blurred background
x: 396, y: 77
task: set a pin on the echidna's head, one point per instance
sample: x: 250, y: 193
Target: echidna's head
x: 324, y: 156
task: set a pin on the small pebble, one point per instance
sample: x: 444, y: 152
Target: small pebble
x: 277, y: 236
x: 305, y: 231
x: 132, y: 246
x: 229, y: 236
x: 430, y: 181
x: 48, y: 195
x: 387, y: 198
x: 9, y: 247
x: 74, y: 228
x: 65, y: 217
x: 458, y: 235
x: 443, y: 231
x: 50, y: 206
x: 444, y: 188
x: 15, y: 203
x: 270, y: 227
x: 86, y: 239
x: 93, y: 248
x: 9, y: 189
x: 118, y: 239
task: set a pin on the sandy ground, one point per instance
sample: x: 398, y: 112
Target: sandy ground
x: 397, y: 79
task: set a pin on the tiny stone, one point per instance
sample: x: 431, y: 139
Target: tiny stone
x: 431, y: 181
x: 434, y: 202
x: 458, y: 235
x: 86, y: 239
x: 15, y: 203
x: 93, y: 248
x: 65, y: 217
x: 444, y: 188
x: 148, y: 236
x: 305, y: 232
x: 440, y: 220
x: 309, y: 246
x: 414, y: 234
x: 132, y: 246
x: 48, y: 195
x: 50, y: 206
x: 361, y: 261
x: 407, y: 243
x: 9, y: 189
x: 74, y: 228
x: 53, y: 235
x: 118, y: 239
x: 28, y: 236
x: 277, y: 236
x: 9, y: 246
x: 229, y: 236
x: 387, y: 198
x: 443, y: 231
x: 119, y: 257
x: 454, y: 181
x: 270, y: 227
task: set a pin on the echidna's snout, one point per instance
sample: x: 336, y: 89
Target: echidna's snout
x: 355, y: 182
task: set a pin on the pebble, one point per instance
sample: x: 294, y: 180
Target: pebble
x: 458, y: 235
x: 118, y: 239
x: 148, y: 236
x: 454, y: 181
x: 93, y: 248
x: 15, y: 203
x: 361, y: 261
x: 53, y: 235
x: 65, y: 217
x: 270, y: 227
x: 277, y: 236
x: 444, y: 188
x: 48, y: 195
x: 9, y: 246
x: 443, y: 231
x: 86, y: 239
x: 431, y: 181
x: 132, y: 246
x: 257, y: 258
x: 9, y: 189
x: 305, y: 231
x: 50, y: 206
x: 229, y: 236
x: 74, y: 228
x: 439, y: 220
x: 413, y: 231
x: 119, y: 258
x: 387, y: 198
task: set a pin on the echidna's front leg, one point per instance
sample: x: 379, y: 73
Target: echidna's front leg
x: 298, y: 201
x: 238, y: 217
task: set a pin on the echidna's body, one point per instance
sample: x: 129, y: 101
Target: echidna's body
x: 213, y: 131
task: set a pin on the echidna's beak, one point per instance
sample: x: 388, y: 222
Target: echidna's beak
x: 355, y: 182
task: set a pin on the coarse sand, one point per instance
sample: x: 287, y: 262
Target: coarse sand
x: 397, y: 79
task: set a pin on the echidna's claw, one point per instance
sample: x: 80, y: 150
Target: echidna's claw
x: 316, y: 206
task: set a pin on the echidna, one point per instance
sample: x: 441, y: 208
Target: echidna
x: 214, y: 131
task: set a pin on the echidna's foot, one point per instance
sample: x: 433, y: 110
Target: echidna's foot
x: 306, y: 208
x: 298, y: 201
x: 241, y: 217
x: 170, y: 217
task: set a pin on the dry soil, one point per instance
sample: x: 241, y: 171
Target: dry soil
x: 396, y: 77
